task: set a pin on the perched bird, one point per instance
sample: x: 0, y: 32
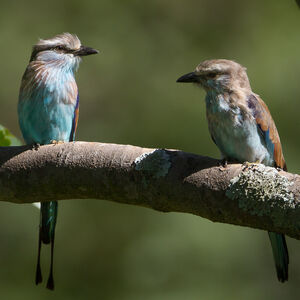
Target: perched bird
x: 241, y: 126
x: 48, y: 111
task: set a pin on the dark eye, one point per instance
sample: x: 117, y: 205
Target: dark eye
x: 211, y: 75
x: 59, y: 47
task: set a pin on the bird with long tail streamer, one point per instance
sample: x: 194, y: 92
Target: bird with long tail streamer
x: 241, y: 126
x: 48, y: 111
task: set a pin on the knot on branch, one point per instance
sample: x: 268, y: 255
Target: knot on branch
x: 155, y: 163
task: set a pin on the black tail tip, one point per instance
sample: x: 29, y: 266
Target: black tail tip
x: 282, y: 275
x: 283, y: 280
x: 50, y: 283
x: 38, y: 276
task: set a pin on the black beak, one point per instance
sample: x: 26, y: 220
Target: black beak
x: 190, y: 77
x: 83, y: 51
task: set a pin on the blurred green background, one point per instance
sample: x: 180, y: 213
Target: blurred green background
x: 129, y: 95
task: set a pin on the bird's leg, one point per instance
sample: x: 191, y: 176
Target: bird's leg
x: 223, y: 164
x: 248, y: 164
x: 35, y: 146
x: 55, y: 142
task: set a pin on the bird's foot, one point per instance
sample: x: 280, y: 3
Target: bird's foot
x: 35, y: 146
x: 223, y: 164
x: 246, y: 165
x: 55, y: 142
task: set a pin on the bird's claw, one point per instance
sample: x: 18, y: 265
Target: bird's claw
x: 55, y: 142
x: 246, y: 165
x: 223, y: 164
x: 35, y: 146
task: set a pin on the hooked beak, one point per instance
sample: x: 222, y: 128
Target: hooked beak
x: 84, y: 51
x: 190, y: 77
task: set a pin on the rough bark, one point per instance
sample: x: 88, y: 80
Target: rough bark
x: 165, y: 180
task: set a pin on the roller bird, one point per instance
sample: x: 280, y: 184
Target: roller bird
x: 241, y: 126
x: 48, y: 112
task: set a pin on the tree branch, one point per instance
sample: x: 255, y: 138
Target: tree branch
x: 165, y: 180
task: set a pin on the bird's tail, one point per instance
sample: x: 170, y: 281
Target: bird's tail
x: 46, y: 236
x: 281, y: 255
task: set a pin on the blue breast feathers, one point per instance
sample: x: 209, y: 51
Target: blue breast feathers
x: 46, y: 109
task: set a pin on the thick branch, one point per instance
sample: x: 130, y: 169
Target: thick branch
x: 165, y: 180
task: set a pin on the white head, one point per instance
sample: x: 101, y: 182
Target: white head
x: 63, y: 49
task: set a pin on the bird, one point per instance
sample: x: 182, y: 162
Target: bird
x: 241, y: 126
x: 48, y: 111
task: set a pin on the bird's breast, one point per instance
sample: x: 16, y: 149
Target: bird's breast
x: 235, y: 132
x: 46, y: 108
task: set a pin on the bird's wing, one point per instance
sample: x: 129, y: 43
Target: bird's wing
x: 75, y: 120
x: 267, y: 128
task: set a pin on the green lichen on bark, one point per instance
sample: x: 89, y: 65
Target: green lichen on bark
x: 261, y: 190
x: 156, y: 163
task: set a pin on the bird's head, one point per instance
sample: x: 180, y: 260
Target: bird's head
x: 220, y: 75
x: 63, y: 49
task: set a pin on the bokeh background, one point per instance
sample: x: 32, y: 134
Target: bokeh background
x: 129, y: 96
